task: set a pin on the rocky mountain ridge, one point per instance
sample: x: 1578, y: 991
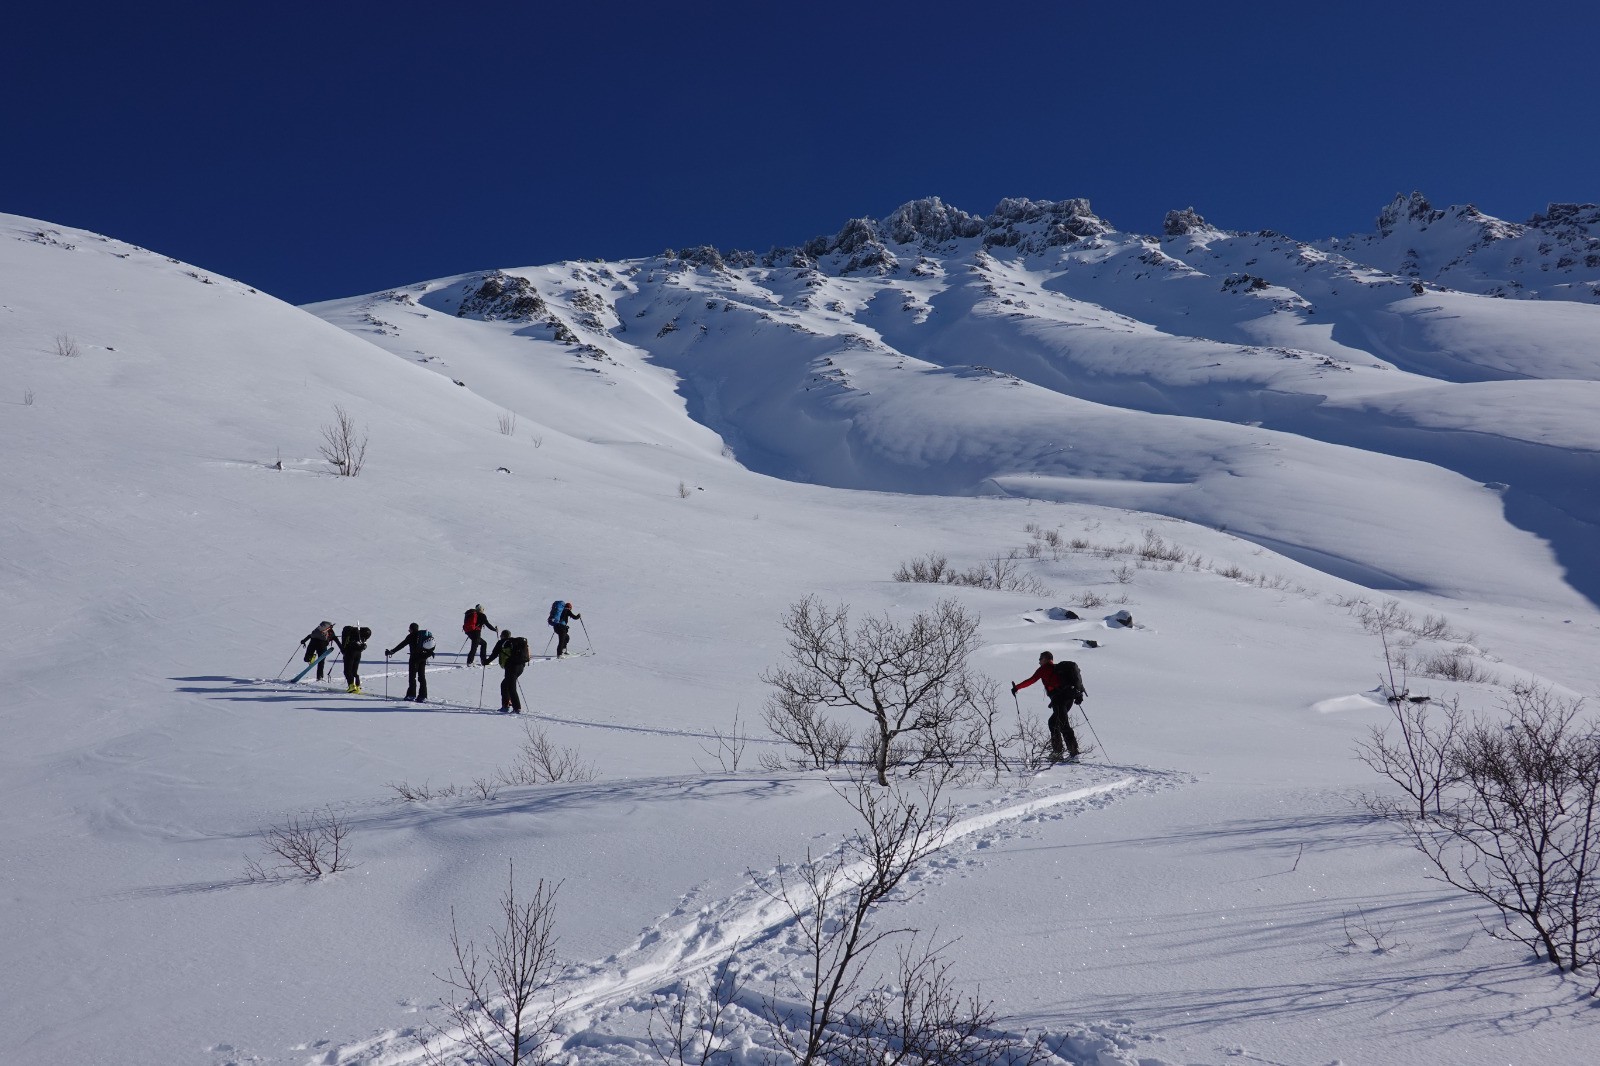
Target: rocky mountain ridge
x: 1554, y: 255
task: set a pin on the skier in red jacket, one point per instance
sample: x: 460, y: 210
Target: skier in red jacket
x: 1063, y: 686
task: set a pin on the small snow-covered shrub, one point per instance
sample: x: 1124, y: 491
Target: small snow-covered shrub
x: 1003, y: 573
x: 540, y: 762
x: 1452, y: 667
x: 308, y: 848
x: 342, y: 445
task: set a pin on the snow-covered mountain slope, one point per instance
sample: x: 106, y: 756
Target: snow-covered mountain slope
x: 1239, y: 380
x: 1555, y: 255
x: 170, y: 532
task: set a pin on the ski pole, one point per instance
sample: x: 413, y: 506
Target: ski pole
x: 463, y: 646
x: 482, y: 673
x: 523, y: 696
x: 586, y: 639
x: 547, y: 645
x: 286, y: 662
x: 385, y: 677
x: 1092, y: 733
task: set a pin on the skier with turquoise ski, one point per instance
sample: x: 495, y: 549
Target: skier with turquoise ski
x: 317, y: 643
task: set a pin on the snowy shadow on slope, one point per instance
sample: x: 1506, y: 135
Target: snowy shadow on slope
x: 1442, y: 999
x: 255, y: 690
x: 1306, y: 834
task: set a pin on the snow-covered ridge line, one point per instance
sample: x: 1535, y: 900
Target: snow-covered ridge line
x: 1553, y: 255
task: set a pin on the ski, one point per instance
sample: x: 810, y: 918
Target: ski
x: 318, y: 661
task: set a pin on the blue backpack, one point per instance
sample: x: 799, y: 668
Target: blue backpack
x: 557, y: 609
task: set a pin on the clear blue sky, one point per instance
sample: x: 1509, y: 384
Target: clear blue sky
x: 325, y: 150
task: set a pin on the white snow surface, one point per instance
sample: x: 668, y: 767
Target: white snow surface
x: 805, y: 425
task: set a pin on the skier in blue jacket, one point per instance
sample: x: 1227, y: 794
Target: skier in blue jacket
x: 560, y: 613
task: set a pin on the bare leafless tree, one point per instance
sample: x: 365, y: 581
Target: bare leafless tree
x: 690, y: 1029
x: 67, y: 346
x: 824, y: 1010
x: 923, y: 1017
x: 308, y: 848
x: 1419, y: 756
x: 342, y: 445
x: 503, y: 1009
x: 541, y: 761
x: 508, y: 423
x: 823, y: 742
x: 911, y: 677
x: 728, y: 748
x: 831, y: 902
x: 1521, y: 825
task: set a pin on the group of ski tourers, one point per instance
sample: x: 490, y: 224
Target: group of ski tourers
x: 1063, y: 681
x: 510, y: 652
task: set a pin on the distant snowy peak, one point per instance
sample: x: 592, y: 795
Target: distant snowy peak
x: 1029, y: 226
x: 1188, y: 223
x: 1553, y: 256
x: 878, y: 245
x: 1416, y: 212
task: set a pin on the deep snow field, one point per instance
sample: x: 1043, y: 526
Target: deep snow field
x: 1185, y: 896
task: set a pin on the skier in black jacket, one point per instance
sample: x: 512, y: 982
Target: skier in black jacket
x: 352, y: 642
x: 511, y: 653
x: 1063, y: 686
x: 420, y: 641
x: 316, y: 642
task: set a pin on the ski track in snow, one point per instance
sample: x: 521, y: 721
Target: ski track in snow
x: 433, y: 704
x: 664, y: 954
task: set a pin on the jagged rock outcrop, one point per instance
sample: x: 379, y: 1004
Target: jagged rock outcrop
x: 704, y: 255
x: 1413, y: 208
x: 503, y: 298
x: 1416, y: 209
x: 1179, y: 223
x: 1031, y: 226
x: 930, y: 221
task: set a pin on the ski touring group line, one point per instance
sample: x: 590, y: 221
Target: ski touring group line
x: 511, y: 653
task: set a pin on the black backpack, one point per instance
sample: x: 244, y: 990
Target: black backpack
x: 517, y: 654
x: 1071, y: 679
